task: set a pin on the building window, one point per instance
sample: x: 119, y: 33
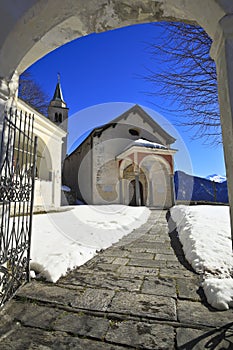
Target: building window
x: 60, y: 118
x: 56, y: 117
x: 134, y: 132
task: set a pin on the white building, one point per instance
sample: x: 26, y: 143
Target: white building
x: 51, y: 150
x: 127, y: 161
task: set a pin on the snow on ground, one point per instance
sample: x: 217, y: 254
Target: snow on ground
x: 204, y: 232
x: 69, y: 238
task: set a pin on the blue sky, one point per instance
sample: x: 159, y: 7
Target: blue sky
x: 101, y: 77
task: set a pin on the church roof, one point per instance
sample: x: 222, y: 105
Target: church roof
x: 97, y: 131
x: 136, y: 109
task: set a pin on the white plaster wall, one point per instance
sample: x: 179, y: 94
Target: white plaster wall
x: 55, y: 151
x: 147, y: 131
x: 105, y: 171
x: 82, y: 178
x: 43, y: 195
x: 120, y: 133
x: 51, y: 136
x: 77, y: 172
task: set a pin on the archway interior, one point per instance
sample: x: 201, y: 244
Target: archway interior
x: 129, y: 177
x: 47, y: 176
x: 133, y: 193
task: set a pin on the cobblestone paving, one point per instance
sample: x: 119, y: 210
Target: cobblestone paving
x: 139, y: 294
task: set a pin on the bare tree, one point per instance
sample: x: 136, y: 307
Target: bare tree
x: 32, y: 93
x: 185, y: 75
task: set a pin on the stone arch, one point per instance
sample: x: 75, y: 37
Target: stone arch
x: 160, y: 181
x: 34, y: 28
x: 39, y: 29
x: 124, y: 164
x: 128, y: 179
x: 156, y: 158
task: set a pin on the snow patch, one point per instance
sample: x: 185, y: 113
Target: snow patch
x: 64, y: 240
x: 219, y: 292
x: 204, y: 232
x: 146, y: 143
x: 216, y: 178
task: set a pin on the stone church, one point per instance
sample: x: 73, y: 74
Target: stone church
x: 126, y: 161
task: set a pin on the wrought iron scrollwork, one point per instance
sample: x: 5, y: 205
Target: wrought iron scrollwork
x: 17, y: 176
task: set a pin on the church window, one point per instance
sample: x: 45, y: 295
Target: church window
x: 60, y: 117
x: 56, y: 117
x: 134, y: 132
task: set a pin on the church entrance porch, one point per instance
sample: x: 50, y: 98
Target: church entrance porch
x: 146, y: 176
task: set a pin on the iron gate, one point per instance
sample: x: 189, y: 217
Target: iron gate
x: 17, y: 176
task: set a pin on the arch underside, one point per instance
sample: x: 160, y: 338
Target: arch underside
x: 39, y: 29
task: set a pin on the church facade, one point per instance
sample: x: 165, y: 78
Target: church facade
x: 127, y: 161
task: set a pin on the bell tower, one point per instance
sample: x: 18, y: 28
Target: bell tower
x: 58, y: 113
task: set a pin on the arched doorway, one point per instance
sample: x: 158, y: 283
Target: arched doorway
x: 133, y: 193
x: 160, y: 181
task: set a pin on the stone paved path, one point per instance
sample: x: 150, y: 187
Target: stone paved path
x: 138, y: 294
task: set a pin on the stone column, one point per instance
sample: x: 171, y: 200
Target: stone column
x: 151, y: 197
x: 121, y: 190
x: 222, y: 53
x: 137, y: 189
x: 172, y: 187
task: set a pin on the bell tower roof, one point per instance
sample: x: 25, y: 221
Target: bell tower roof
x: 58, y: 93
x: 58, y: 99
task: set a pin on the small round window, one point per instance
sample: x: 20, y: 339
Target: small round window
x: 134, y: 132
